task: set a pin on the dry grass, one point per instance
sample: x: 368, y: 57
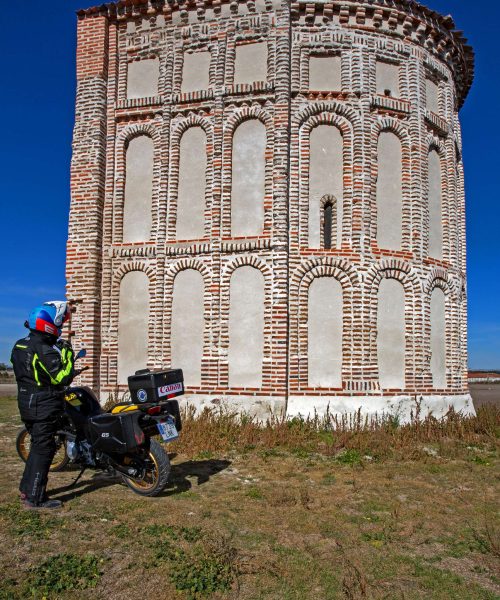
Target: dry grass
x: 277, y: 511
x: 218, y: 430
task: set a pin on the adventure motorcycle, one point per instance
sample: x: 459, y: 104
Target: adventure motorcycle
x: 119, y: 441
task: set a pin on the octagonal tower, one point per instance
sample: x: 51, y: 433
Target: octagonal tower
x: 270, y: 196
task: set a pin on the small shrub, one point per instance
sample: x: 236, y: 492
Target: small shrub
x: 254, y: 493
x: 349, y: 457
x: 64, y: 572
x: 198, y: 564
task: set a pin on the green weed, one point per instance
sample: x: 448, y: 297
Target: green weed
x: 28, y: 523
x: 349, y: 457
x: 254, y: 493
x: 64, y: 572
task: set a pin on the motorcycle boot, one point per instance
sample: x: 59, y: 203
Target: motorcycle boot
x: 47, y: 503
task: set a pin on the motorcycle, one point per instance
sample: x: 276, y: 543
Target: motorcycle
x: 120, y: 441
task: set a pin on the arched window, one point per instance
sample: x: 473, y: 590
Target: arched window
x: 248, y: 179
x: 192, y: 182
x: 435, y: 206
x: 246, y: 327
x: 391, y: 334
x: 389, y: 192
x: 324, y: 326
x: 138, y: 190
x: 133, y: 317
x: 438, y: 338
x: 186, y: 339
x: 325, y: 178
x: 328, y: 221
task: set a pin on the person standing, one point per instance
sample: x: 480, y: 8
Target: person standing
x: 43, y: 365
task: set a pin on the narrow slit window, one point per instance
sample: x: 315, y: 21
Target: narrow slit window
x: 327, y: 225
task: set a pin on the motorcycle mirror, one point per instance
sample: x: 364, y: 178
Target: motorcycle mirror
x: 82, y: 353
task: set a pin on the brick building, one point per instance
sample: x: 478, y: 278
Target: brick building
x: 270, y: 196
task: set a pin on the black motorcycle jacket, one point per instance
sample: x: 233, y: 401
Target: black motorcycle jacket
x: 41, y: 361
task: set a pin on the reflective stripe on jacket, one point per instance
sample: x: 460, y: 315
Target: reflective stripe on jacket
x: 40, y: 360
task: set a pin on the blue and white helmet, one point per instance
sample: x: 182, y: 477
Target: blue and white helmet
x: 49, y: 317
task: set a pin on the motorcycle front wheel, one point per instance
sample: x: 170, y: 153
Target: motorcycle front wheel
x: 23, y: 444
x: 156, y: 472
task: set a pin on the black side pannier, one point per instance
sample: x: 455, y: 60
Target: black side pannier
x: 116, y: 434
x: 155, y: 386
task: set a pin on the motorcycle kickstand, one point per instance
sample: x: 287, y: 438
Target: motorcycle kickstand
x: 78, y: 478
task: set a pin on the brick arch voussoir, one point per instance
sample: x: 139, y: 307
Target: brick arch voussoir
x: 128, y: 133
x: 432, y: 142
x: 192, y: 120
x: 248, y: 113
x: 185, y: 264
x: 135, y: 265
x: 247, y: 261
x: 330, y: 108
x: 328, y: 118
x: 440, y: 278
x: 392, y: 125
x: 393, y: 269
x: 324, y: 267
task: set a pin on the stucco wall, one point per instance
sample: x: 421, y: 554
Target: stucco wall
x: 188, y: 325
x: 192, y: 181
x: 391, y: 334
x: 133, y: 321
x: 325, y: 333
x: 389, y: 192
x: 248, y: 176
x: 246, y: 328
x: 326, y: 172
x: 137, y: 211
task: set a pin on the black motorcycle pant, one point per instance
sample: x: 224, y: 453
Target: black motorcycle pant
x: 39, y: 413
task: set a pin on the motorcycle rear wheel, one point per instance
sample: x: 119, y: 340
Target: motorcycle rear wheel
x: 156, y: 474
x: 23, y: 444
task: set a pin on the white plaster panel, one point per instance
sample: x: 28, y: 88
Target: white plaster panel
x: 389, y: 192
x: 246, y: 327
x: 391, y: 334
x: 250, y: 63
x: 325, y: 73
x: 192, y: 181
x: 142, y: 78
x: 186, y: 341
x: 387, y: 76
x: 435, y: 206
x: 325, y: 333
x: 325, y: 177
x: 438, y: 338
x: 371, y: 406
x: 133, y: 318
x: 138, y: 190
x: 248, y: 179
x: 431, y: 96
x: 195, y: 71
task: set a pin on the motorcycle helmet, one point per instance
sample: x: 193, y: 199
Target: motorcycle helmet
x: 49, y: 317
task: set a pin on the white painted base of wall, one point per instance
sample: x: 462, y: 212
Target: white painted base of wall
x: 402, y: 406
x: 261, y: 407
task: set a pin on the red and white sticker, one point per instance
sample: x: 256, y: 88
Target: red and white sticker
x: 171, y: 388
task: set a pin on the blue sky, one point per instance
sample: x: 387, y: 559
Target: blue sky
x: 37, y: 105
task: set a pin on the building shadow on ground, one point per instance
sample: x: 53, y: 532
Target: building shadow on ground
x: 178, y: 482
